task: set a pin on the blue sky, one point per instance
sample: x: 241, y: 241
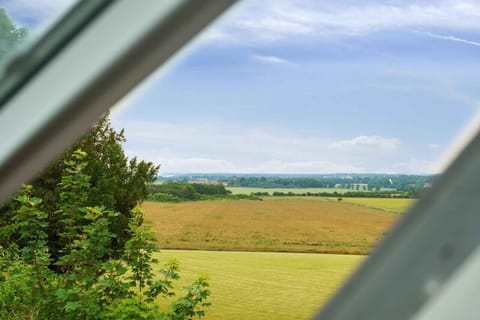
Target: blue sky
x: 308, y: 87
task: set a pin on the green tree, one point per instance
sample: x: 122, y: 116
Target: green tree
x: 90, y: 286
x: 10, y: 34
x: 115, y: 182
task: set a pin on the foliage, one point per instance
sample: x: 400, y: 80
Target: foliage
x: 179, y: 192
x: 91, y: 285
x: 353, y: 182
x: 348, y: 194
x: 10, y: 34
x: 114, y: 182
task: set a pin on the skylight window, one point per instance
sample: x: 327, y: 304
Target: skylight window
x: 292, y: 137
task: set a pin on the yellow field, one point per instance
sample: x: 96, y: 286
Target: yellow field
x: 392, y: 205
x: 294, y: 224
x: 262, y: 285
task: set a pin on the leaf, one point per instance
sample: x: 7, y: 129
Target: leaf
x: 61, y: 293
x: 72, y: 306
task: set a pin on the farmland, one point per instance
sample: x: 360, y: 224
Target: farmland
x: 284, y: 224
x: 264, y: 285
x: 249, y: 249
x: 392, y: 205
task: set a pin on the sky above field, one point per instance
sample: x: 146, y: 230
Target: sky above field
x: 307, y: 87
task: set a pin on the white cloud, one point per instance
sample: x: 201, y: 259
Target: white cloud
x: 215, y: 165
x: 361, y: 142
x: 271, y: 21
x: 240, y: 148
x: 450, y: 38
x: 231, y: 140
x: 269, y: 59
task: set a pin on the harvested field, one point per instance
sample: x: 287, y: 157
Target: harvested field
x: 292, y: 224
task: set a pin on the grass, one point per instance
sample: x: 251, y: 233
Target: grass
x: 260, y: 285
x: 248, y: 190
x: 283, y: 224
x: 270, y: 285
x: 392, y: 205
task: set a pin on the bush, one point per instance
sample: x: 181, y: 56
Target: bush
x: 115, y: 182
x: 165, y: 197
x: 89, y: 283
x: 177, y: 192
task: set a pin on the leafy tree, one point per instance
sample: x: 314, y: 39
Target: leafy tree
x: 115, y: 182
x: 10, y: 34
x: 90, y: 286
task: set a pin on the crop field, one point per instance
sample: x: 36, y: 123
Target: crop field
x: 283, y: 224
x: 248, y: 279
x: 263, y: 285
x: 248, y: 190
x: 392, y: 205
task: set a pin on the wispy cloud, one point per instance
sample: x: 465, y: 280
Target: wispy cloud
x: 269, y: 59
x: 450, y: 38
x: 273, y: 21
x: 230, y: 147
x: 376, y: 142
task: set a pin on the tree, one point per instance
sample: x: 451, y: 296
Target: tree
x: 90, y: 286
x: 73, y: 246
x: 115, y: 182
x: 10, y: 34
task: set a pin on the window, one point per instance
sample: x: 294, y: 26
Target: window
x: 291, y: 93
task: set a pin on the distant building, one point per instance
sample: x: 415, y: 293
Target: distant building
x: 427, y: 185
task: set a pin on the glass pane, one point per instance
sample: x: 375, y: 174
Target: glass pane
x: 22, y: 21
x: 292, y: 136
x: 334, y: 116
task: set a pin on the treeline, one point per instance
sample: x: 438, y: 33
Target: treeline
x: 352, y: 194
x: 375, y: 183
x: 180, y: 192
x: 355, y: 182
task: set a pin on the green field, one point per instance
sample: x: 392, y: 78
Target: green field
x: 262, y: 285
x: 248, y: 190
